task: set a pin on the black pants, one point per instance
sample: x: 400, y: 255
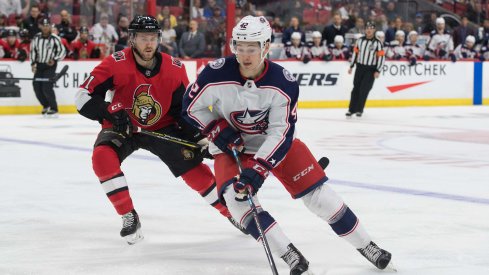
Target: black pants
x: 44, y: 90
x: 362, y: 84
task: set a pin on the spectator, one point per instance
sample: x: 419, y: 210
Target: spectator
x: 10, y: 7
x: 461, y: 32
x: 215, y: 31
x: 3, y: 23
x: 390, y: 11
x: 168, y: 3
x: 295, y: 48
x: 168, y: 39
x: 377, y: 9
x: 66, y: 30
x: 32, y: 22
x: 104, y: 33
x: 66, y: 44
x: 331, y: 31
x: 441, y: 43
x: 475, y: 13
x: 382, y: 23
x: 209, y: 9
x: 277, y: 25
x: 87, y: 11
x: 359, y: 26
x: 293, y: 27
x: 467, y: 50
x: 338, y: 49
x: 197, y: 11
x: 122, y: 32
x: 418, y: 23
x: 390, y: 34
x: 483, y: 33
x: 64, y: 5
x: 165, y: 13
x: 192, y: 43
x: 431, y: 24
x: 83, y: 47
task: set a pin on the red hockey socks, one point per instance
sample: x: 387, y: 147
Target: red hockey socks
x: 201, y: 179
x: 108, y: 170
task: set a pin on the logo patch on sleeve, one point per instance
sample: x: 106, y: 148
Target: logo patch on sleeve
x: 218, y: 63
x: 119, y: 56
x: 176, y: 62
x: 288, y: 76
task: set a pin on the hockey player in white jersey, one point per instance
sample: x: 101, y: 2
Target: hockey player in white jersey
x: 441, y: 43
x: 318, y: 50
x: 295, y: 48
x: 338, y: 49
x: 396, y: 50
x: 254, y: 108
x: 467, y: 50
x: 414, y: 52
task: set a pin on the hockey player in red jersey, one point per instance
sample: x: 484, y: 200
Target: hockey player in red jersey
x: 147, y: 89
x: 254, y: 108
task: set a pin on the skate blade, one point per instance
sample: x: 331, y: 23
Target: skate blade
x: 391, y: 267
x: 134, y: 238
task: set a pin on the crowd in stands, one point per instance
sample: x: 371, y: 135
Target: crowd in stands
x: 316, y: 30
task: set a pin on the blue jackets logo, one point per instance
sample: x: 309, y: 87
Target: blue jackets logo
x: 251, y: 121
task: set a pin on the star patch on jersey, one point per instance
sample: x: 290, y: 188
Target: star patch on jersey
x: 119, y: 56
x: 251, y: 121
x: 218, y: 63
x: 288, y: 76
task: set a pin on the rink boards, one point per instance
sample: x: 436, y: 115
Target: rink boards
x: 323, y: 84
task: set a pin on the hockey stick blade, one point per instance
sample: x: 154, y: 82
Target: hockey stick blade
x: 60, y: 74
x: 323, y: 162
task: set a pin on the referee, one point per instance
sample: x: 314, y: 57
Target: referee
x: 368, y: 54
x: 46, y: 51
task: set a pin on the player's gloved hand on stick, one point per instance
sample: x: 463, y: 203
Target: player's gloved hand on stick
x: 223, y: 136
x: 121, y: 122
x: 204, y: 149
x: 453, y: 58
x: 252, y: 176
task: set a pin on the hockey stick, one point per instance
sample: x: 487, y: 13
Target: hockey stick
x: 166, y: 137
x: 42, y: 79
x: 254, y: 211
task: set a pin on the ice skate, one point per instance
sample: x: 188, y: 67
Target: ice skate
x: 297, y: 263
x: 376, y: 255
x: 348, y: 115
x: 131, y: 227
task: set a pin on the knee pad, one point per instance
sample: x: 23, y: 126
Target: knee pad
x: 325, y: 203
x: 105, y: 162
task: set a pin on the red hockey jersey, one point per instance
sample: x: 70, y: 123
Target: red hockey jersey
x: 152, y: 98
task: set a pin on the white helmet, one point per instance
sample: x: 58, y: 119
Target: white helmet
x: 316, y: 34
x: 400, y: 33
x: 339, y: 39
x: 470, y: 38
x: 440, y: 21
x: 296, y: 35
x: 251, y: 29
x: 379, y: 35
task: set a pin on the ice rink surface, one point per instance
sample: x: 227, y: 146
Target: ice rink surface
x: 418, y: 179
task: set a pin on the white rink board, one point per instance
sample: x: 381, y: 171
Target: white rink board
x: 319, y: 81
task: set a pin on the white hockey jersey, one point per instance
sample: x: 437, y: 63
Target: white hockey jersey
x: 462, y: 52
x: 262, y: 110
x: 414, y: 51
x: 440, y: 45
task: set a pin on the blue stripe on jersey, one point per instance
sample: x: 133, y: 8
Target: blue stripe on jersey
x: 344, y: 225
x: 266, y: 220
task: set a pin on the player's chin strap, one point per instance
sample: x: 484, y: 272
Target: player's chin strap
x: 254, y: 212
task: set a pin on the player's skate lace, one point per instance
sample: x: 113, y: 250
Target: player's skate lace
x: 127, y: 220
x: 379, y: 257
x: 297, y: 263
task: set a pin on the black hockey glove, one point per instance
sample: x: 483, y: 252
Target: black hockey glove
x: 327, y: 57
x: 426, y: 57
x: 252, y: 177
x: 412, y: 61
x: 453, y: 58
x: 223, y: 136
x: 306, y: 59
x: 441, y: 53
x: 121, y: 122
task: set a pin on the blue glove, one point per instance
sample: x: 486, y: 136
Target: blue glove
x: 223, y: 136
x: 252, y: 177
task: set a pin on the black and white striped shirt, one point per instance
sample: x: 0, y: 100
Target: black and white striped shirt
x: 368, y: 52
x: 44, y: 49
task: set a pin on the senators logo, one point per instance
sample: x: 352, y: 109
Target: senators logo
x: 251, y: 121
x: 187, y: 154
x: 145, y: 109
